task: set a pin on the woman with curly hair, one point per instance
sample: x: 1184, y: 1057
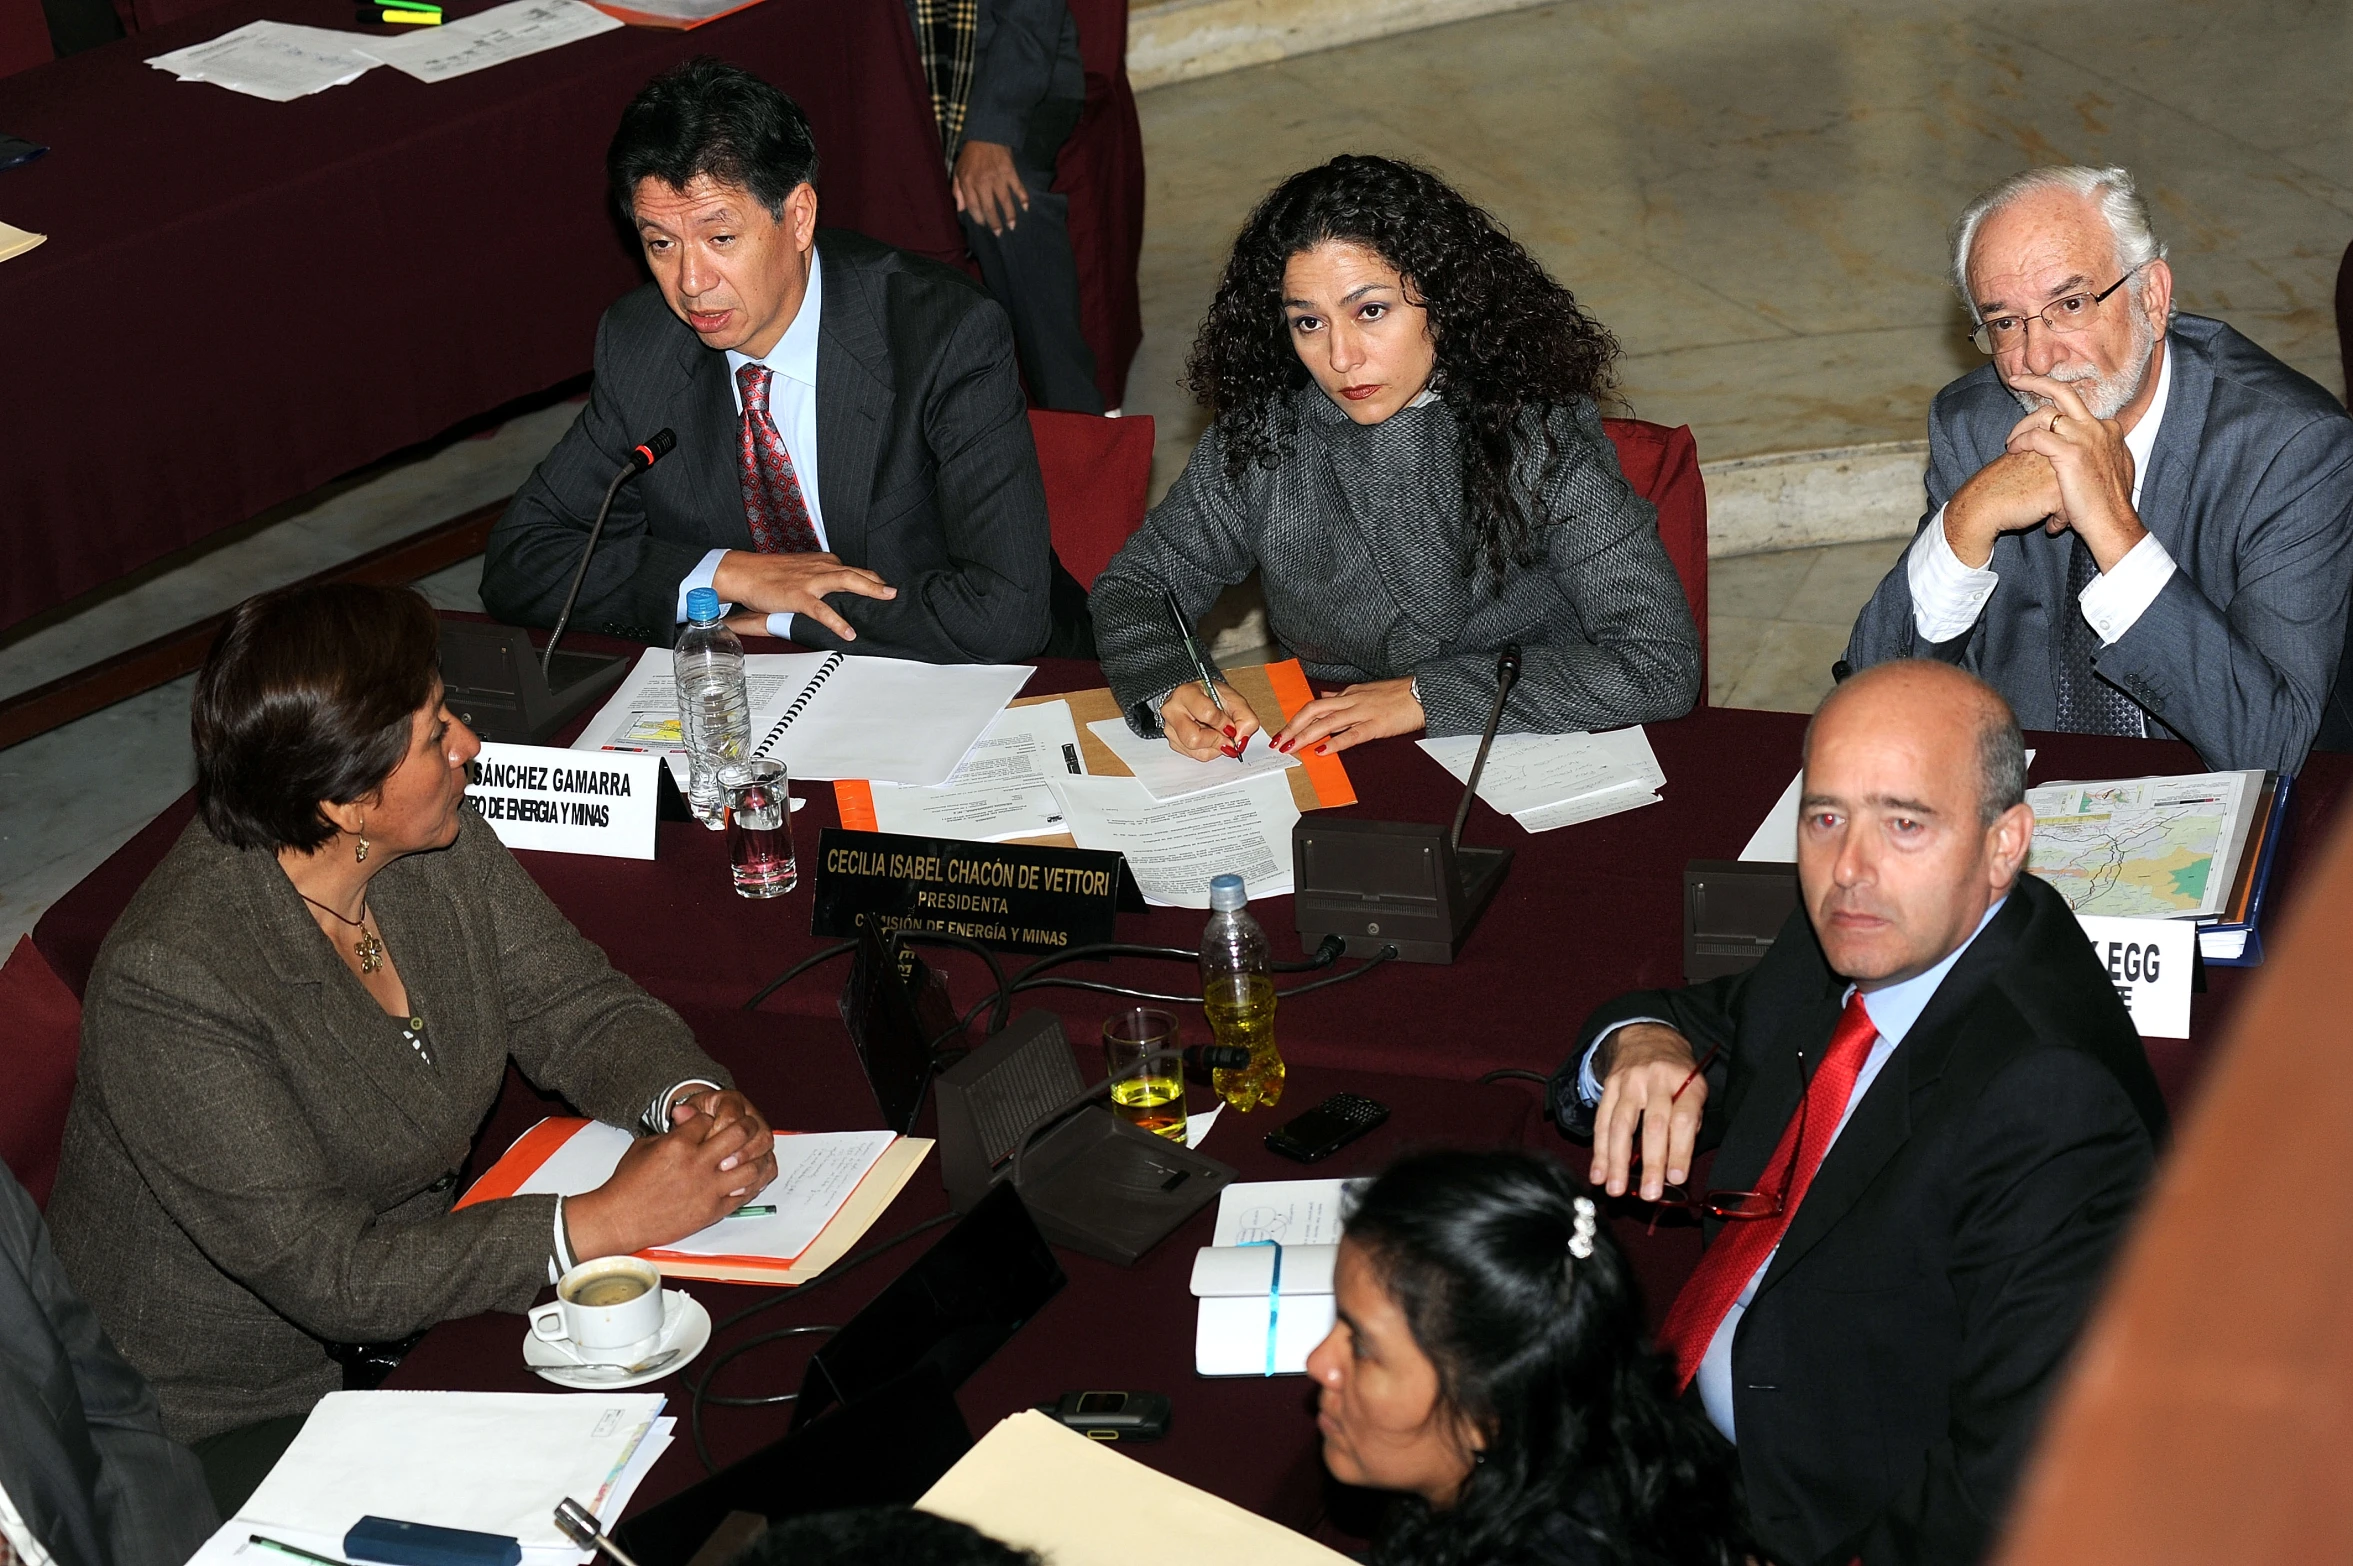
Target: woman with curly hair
x: 1406, y: 448
x: 1488, y: 1367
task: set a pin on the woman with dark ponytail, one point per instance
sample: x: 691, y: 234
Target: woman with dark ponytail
x: 1488, y: 1365
x: 1406, y: 447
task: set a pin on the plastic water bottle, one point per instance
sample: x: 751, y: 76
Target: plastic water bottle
x: 1239, y: 994
x: 714, y: 709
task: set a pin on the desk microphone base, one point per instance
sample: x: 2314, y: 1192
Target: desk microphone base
x: 494, y: 685
x: 1390, y: 883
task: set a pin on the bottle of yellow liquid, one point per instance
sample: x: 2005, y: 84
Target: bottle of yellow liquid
x: 1239, y: 995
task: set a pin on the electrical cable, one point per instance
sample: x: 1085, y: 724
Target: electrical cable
x: 698, y: 1390
x: 824, y: 954
x: 1514, y: 1074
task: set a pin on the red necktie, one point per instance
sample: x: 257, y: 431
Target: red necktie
x: 1743, y: 1244
x: 772, y: 501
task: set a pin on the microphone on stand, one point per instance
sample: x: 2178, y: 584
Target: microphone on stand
x: 640, y: 459
x: 1507, y: 674
x: 1407, y: 888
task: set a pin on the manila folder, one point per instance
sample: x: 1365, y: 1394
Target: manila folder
x: 1039, y: 1485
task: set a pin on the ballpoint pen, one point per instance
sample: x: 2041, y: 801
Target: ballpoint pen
x: 1176, y: 617
x: 288, y: 1549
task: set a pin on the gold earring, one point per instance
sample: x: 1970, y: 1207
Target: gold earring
x: 359, y: 850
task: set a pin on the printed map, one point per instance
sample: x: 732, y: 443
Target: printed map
x: 2149, y: 848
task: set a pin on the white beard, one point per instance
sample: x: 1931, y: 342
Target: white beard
x: 2105, y: 395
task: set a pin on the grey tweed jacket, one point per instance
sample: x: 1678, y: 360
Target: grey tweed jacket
x: 1358, y: 535
x: 257, y: 1164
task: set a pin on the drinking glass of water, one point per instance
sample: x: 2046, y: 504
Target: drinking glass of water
x: 759, y: 827
x: 1147, y: 1070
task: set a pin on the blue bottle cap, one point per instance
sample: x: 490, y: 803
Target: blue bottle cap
x: 1226, y: 893
x: 702, y: 603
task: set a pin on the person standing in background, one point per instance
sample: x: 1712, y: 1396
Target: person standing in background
x: 1007, y: 87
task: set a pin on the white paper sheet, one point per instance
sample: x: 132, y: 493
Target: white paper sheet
x: 1229, y: 1335
x: 886, y: 720
x: 1586, y: 807
x: 1533, y: 772
x: 279, y: 61
x: 1175, y: 848
x: 492, y: 37
x: 494, y: 1462
x: 1001, y: 789
x: 815, y: 1173
x: 233, y: 1544
x: 1220, y: 1271
x: 1289, y: 1212
x: 1170, y: 774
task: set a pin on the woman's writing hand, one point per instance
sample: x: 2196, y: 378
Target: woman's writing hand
x: 1374, y: 710
x: 1196, y: 728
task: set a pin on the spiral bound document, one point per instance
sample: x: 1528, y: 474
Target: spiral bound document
x: 828, y: 715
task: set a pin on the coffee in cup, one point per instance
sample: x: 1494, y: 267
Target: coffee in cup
x: 607, y: 1311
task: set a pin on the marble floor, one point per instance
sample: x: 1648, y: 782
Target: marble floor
x: 1753, y: 197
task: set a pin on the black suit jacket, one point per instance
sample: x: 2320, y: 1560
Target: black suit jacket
x: 926, y: 472
x: 1889, y: 1375
x: 82, y: 1451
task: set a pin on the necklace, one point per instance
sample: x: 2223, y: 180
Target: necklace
x: 369, y: 949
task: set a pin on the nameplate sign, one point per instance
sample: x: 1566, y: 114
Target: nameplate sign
x: 566, y: 801
x: 2149, y: 962
x: 1011, y: 896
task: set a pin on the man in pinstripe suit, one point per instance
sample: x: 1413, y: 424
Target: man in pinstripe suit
x: 854, y: 463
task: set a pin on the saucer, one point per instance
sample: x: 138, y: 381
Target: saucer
x: 686, y: 1328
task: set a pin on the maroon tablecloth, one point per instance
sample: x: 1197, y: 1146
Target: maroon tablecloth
x: 1586, y: 913
x: 1252, y: 1440
x: 241, y: 300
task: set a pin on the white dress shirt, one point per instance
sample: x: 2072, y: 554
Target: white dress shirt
x: 792, y: 405
x: 1892, y: 1011
x: 1947, y: 596
x: 23, y: 1544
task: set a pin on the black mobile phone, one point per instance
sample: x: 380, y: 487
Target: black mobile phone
x: 1112, y: 1416
x: 1325, y: 1129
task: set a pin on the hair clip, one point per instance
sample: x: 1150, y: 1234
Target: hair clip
x: 1581, y: 1242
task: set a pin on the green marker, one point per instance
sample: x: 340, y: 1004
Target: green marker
x: 288, y: 1549
x: 753, y: 1212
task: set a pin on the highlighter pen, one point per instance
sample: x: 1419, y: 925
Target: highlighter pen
x: 768, y: 1211
x: 398, y: 17
x: 1176, y: 617
x: 288, y: 1549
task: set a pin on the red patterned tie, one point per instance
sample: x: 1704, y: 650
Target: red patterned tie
x: 772, y: 501
x: 1743, y: 1244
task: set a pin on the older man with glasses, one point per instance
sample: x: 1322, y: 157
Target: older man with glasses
x: 2138, y: 522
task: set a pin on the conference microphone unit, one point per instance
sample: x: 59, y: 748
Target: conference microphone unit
x: 640, y: 458
x: 1405, y: 884
x: 488, y: 674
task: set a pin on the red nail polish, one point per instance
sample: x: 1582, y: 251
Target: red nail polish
x: 1285, y: 746
x: 1319, y: 750
x: 1229, y: 731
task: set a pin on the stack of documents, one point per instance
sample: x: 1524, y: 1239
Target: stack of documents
x: 1002, y: 789
x: 502, y: 33
x: 274, y: 60
x: 824, y: 715
x: 491, y: 1462
x: 1265, y: 1279
x: 829, y: 1188
x: 1544, y: 781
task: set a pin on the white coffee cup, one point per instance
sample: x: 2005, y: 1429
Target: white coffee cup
x: 616, y: 1331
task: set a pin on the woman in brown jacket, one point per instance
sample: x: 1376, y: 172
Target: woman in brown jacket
x: 299, y: 1023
